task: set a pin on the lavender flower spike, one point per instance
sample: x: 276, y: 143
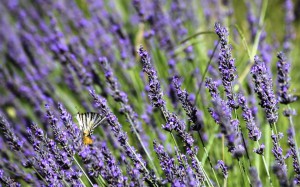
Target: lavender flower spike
x: 7, y: 181
x: 226, y: 64
x: 192, y: 112
x: 293, y: 153
x: 223, y: 167
x: 155, y: 92
x: 9, y: 135
x: 264, y: 90
x: 254, y: 132
x: 283, y: 69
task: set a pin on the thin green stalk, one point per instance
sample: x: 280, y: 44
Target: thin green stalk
x: 246, y: 149
x: 205, y: 71
x: 163, y: 110
x: 242, y: 169
x: 176, y: 145
x: 243, y: 139
x: 225, y: 182
x: 210, y: 142
x: 256, y: 40
x: 294, y: 135
x: 205, y: 174
x: 38, y: 173
x: 153, y: 182
x: 101, y: 181
x: 266, y: 166
x: 208, y: 158
x: 268, y: 145
x: 141, y: 142
x: 195, y: 35
x: 83, y: 171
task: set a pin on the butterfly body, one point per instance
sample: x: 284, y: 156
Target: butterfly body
x: 87, y: 123
x: 87, y: 140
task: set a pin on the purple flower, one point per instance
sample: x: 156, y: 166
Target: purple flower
x: 155, y: 92
x: 191, y: 111
x: 223, y: 168
x: 122, y: 137
x: 289, y: 30
x: 293, y: 152
x: 7, y: 181
x: 226, y: 64
x: 212, y: 88
x: 260, y: 149
x: 11, y: 138
x: 255, y: 180
x: 221, y: 113
x: 283, y: 79
x: 253, y: 131
x: 279, y: 168
x: 167, y: 163
x: 264, y: 90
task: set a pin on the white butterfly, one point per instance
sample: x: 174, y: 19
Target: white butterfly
x: 87, y: 124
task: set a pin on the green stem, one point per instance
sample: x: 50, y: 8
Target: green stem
x: 165, y: 114
x: 146, y: 170
x: 176, y: 146
x: 206, y: 70
x: 242, y: 169
x: 208, y: 158
x: 266, y: 166
x: 256, y: 40
x: 83, y: 171
x: 38, y: 173
x: 101, y: 181
x: 141, y: 142
x: 294, y: 135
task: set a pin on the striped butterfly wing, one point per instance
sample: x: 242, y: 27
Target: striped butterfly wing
x: 89, y: 121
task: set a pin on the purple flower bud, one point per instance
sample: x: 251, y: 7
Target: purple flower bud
x: 260, y: 149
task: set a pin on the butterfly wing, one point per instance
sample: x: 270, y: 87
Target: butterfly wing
x: 89, y: 121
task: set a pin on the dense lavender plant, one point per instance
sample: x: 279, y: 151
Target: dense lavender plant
x: 49, y: 54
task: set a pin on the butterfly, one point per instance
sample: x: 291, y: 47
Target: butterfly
x: 87, y: 123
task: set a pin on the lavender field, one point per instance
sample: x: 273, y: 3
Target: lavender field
x: 189, y: 93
